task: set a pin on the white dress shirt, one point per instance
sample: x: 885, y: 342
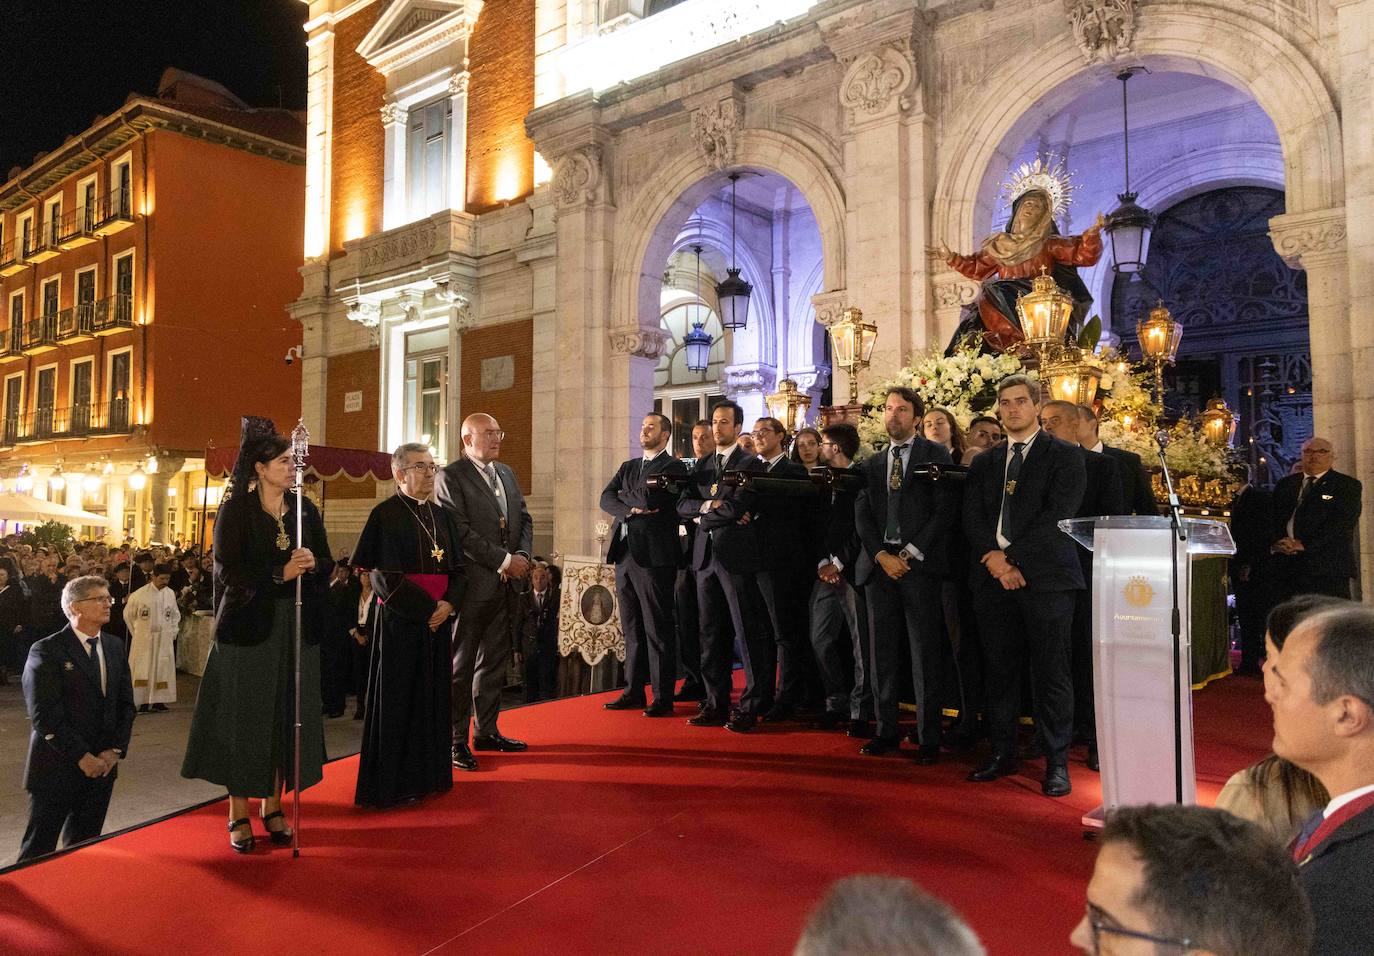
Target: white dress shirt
x: 1352, y: 795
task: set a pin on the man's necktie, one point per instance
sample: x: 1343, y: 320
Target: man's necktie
x: 91, y: 644
x: 1307, y: 481
x: 720, y: 468
x: 496, y: 490
x: 1009, y: 489
x: 892, y: 531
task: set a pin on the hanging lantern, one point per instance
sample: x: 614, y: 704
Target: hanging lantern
x: 1159, y: 336
x: 1072, y: 380
x: 733, y: 292
x: 788, y: 405
x: 1128, y: 225
x: 137, y: 479
x: 851, y: 341
x: 698, y: 341
x: 1044, y: 311
x: 1219, y: 423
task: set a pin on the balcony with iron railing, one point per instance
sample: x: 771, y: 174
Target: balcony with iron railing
x: 77, y: 228
x: 12, y: 259
x: 113, y: 212
x: 12, y: 342
x: 40, y: 333
x: 43, y: 243
x: 113, y: 314
x: 76, y: 323
x: 82, y: 420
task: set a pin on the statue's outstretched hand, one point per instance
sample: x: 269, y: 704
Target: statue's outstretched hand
x: 939, y: 251
x: 1098, y: 223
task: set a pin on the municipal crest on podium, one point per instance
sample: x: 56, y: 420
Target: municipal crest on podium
x: 1138, y: 592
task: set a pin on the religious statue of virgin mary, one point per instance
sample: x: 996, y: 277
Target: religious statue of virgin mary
x: 1007, y: 261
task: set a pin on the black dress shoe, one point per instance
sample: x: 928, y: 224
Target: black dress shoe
x: 1002, y: 766
x: 831, y: 720
x: 1093, y: 763
x: 779, y: 712
x: 659, y: 709
x: 741, y: 723
x: 245, y: 845
x: 708, y: 718
x: 506, y: 745
x: 160, y: 708
x: 625, y: 702
x: 463, y: 758
x: 690, y: 692
x: 880, y: 745
x: 1056, y: 781
x: 928, y: 754
x: 860, y: 729
x: 142, y: 708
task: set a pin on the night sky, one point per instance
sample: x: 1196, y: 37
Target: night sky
x: 63, y: 62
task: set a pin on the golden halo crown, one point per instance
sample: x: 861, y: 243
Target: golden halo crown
x: 1047, y: 173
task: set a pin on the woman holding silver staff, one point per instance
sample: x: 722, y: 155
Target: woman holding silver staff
x: 242, y: 734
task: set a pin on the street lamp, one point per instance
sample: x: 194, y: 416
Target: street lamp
x: 852, y: 340
x: 1044, y: 311
x: 1159, y: 336
x: 788, y: 405
x: 1072, y: 380
x: 697, y: 341
x: 137, y: 479
x: 733, y: 292
x: 1129, y: 225
x: 1219, y: 423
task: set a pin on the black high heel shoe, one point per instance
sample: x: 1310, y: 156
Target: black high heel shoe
x: 242, y: 846
x: 280, y: 837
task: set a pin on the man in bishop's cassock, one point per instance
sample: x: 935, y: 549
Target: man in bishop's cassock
x: 409, y: 548
x: 153, y: 618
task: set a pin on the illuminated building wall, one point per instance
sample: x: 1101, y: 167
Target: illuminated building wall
x: 357, y: 147
x: 500, y: 155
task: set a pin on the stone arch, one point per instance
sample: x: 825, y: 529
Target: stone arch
x: 716, y: 237
x: 646, y: 231
x: 1039, y: 82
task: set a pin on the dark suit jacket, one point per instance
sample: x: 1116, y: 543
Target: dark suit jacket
x: 1251, y: 525
x: 651, y: 539
x: 1050, y: 488
x: 719, y: 535
x: 462, y: 490
x: 1325, y: 524
x: 70, y: 716
x: 1135, y: 481
x: 1103, y: 494
x: 538, y: 627
x: 834, y: 531
x: 927, y: 509
x: 781, y: 521
x: 1336, y: 878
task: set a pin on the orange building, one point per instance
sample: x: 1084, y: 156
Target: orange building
x: 145, y: 266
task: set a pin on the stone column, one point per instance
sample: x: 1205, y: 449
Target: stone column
x: 319, y: 113
x: 539, y: 252
x: 395, y: 119
x: 167, y: 470
x: 458, y: 141
x: 749, y: 385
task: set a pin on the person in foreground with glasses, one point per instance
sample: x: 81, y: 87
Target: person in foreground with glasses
x: 80, y: 699
x: 1191, y: 880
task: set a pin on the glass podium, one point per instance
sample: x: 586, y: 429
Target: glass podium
x: 1133, y: 665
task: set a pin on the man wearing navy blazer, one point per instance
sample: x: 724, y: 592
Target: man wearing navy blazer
x: 1026, y: 579
x: 1315, y: 516
x: 725, y: 556
x: 646, y: 552
x: 903, y: 523
x: 80, y: 700
x: 496, y: 536
x: 1137, y: 491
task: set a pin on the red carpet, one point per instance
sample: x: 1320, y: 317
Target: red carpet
x: 613, y: 834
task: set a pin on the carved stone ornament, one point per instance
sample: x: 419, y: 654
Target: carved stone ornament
x: 458, y: 83
x: 749, y: 378
x: 829, y: 306
x: 1302, y: 239
x: 714, y: 129
x: 1103, y: 29
x: 952, y: 295
x: 392, y: 113
x: 874, y: 80
x: 403, y: 246
x: 576, y: 175
x: 640, y: 341
x: 814, y: 379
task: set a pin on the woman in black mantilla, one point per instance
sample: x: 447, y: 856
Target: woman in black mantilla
x: 243, y: 728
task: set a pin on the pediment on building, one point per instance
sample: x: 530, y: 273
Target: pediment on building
x: 411, y: 29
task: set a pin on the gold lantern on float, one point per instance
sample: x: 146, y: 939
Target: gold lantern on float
x: 788, y: 405
x: 851, y: 341
x: 1044, y: 312
x: 1071, y: 379
x: 1219, y: 423
x: 1159, y: 336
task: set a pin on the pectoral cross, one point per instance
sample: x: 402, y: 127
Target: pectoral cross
x: 437, y: 554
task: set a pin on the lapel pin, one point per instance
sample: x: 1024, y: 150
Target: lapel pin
x: 69, y: 666
x: 1327, y: 497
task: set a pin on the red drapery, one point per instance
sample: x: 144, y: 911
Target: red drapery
x: 323, y: 462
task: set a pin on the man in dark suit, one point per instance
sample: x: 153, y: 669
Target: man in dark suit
x: 1136, y: 489
x: 1025, y: 579
x: 784, y: 578
x: 120, y: 589
x: 903, y: 522
x: 1250, y: 528
x: 688, y: 621
x: 80, y: 700
x: 496, y: 535
x: 1315, y: 516
x: 646, y: 552
x: 537, y: 624
x: 1102, y: 496
x: 725, y: 558
x: 1320, y: 686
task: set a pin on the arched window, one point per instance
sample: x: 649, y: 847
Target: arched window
x: 680, y: 393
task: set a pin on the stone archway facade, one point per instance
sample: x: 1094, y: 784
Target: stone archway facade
x: 893, y: 121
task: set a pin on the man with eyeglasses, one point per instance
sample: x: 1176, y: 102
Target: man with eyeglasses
x: 488, y: 509
x: 80, y: 699
x: 1192, y: 880
x: 1315, y: 516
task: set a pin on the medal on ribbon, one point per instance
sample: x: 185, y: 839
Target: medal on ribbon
x: 1011, y: 487
x: 715, y: 487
